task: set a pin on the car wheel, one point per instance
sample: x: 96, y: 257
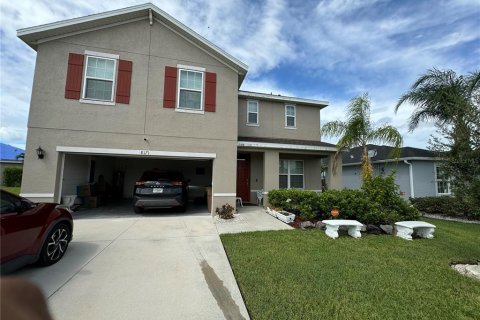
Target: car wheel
x: 55, y: 245
x: 137, y: 209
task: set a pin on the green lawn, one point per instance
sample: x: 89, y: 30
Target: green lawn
x: 305, y: 275
x: 15, y: 190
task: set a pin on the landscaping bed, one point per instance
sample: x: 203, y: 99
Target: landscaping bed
x: 306, y: 275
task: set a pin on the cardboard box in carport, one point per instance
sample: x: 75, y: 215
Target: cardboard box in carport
x: 84, y: 190
x: 90, y: 202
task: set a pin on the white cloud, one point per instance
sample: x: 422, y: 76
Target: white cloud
x: 354, y: 46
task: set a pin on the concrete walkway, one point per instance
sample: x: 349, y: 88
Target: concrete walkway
x: 160, y: 267
x: 250, y: 218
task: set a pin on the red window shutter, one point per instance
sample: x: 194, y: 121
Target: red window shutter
x: 124, y: 80
x: 170, y: 87
x: 210, y: 91
x: 74, y: 76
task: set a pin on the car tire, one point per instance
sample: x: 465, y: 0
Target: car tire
x: 137, y: 209
x: 55, y: 245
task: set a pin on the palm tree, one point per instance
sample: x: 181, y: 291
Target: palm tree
x: 445, y: 98
x: 359, y: 131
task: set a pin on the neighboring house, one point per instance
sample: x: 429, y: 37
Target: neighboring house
x: 418, y: 171
x: 129, y: 90
x: 9, y: 157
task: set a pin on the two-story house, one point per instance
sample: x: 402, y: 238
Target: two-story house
x: 129, y: 90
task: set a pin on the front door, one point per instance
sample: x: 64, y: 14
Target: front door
x: 243, y: 179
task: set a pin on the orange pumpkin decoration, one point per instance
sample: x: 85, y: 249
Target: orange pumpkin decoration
x: 335, y: 212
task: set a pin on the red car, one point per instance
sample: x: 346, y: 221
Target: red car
x: 32, y: 232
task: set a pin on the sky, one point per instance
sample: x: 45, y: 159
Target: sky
x: 325, y: 50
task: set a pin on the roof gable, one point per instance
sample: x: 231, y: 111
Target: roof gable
x: 38, y: 34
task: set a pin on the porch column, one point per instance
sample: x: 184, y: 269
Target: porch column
x: 270, y: 172
x: 334, y: 180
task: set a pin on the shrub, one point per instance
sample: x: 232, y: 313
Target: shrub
x: 290, y: 199
x: 351, y: 203
x: 446, y: 205
x: 388, y: 206
x: 226, y: 211
x: 12, y: 176
x: 378, y: 202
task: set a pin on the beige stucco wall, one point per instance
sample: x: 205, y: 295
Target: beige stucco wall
x: 56, y: 121
x: 145, y: 113
x: 271, y: 121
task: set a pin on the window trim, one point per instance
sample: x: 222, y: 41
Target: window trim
x: 294, y: 117
x: 288, y: 174
x: 106, y: 56
x: 441, y: 180
x: 255, y: 124
x: 200, y: 70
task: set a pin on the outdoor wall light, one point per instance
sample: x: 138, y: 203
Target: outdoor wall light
x: 40, y: 152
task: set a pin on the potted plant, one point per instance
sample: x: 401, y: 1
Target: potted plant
x: 280, y: 214
x: 226, y: 211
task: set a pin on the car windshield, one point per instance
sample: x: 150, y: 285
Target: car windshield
x: 161, y: 175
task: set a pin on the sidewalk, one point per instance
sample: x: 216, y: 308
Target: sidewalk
x: 250, y: 218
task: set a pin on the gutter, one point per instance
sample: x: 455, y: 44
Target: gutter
x: 396, y: 160
x: 410, y: 171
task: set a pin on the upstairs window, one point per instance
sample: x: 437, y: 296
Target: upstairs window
x: 290, y: 112
x: 190, y: 90
x: 252, y: 112
x: 291, y: 174
x: 442, y: 181
x: 99, y: 78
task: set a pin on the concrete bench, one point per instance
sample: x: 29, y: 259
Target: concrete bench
x: 406, y: 228
x: 332, y: 226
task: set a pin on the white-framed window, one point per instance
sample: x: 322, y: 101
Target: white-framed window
x: 291, y: 174
x: 190, y: 89
x: 290, y: 116
x: 252, y: 112
x: 442, y: 181
x: 99, y: 77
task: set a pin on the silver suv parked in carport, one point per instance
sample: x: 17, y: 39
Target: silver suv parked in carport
x: 160, y: 189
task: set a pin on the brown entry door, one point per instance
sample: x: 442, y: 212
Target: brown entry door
x: 243, y: 179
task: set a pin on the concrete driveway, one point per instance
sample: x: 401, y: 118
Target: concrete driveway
x: 146, y: 267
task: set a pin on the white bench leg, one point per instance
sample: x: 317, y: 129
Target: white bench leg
x: 355, y: 231
x: 332, y: 231
x: 404, y: 232
x: 425, y: 232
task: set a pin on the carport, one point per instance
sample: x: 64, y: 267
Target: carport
x: 115, y: 171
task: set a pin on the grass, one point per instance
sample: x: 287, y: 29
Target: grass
x: 15, y: 190
x: 305, y: 275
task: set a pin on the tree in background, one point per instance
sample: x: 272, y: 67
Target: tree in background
x: 358, y: 130
x: 452, y: 102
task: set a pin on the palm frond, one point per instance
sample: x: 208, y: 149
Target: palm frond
x: 358, y: 111
x: 387, y: 135
x: 334, y: 128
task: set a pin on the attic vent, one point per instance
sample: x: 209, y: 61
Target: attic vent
x: 372, y: 153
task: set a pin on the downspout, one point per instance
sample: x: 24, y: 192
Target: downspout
x: 410, y: 171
